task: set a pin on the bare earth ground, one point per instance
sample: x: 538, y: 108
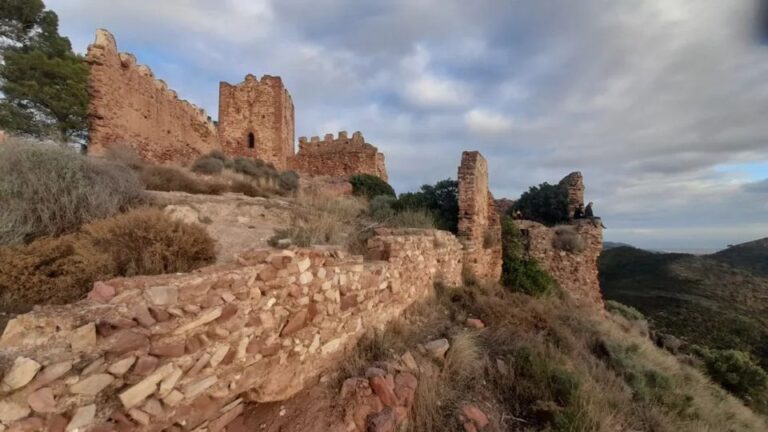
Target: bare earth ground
x: 235, y: 221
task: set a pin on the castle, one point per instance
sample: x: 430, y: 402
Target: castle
x: 130, y: 107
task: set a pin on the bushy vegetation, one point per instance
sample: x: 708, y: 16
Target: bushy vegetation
x: 43, y: 84
x: 737, y: 372
x: 567, y: 239
x: 321, y: 219
x: 440, y: 199
x: 48, y: 190
x: 208, y: 165
x: 257, y: 178
x: 370, y: 186
x: 169, y: 179
x: 627, y: 312
x: 545, y: 203
x: 545, y: 364
x: 517, y: 272
x: 56, y: 270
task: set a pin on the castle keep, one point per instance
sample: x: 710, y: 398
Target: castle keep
x: 130, y: 107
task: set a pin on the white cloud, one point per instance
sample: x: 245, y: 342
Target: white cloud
x: 487, y: 123
x: 434, y: 92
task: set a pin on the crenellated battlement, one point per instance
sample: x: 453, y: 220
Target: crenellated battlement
x: 340, y: 142
x: 130, y: 105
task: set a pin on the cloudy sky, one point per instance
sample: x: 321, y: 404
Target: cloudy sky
x: 662, y: 104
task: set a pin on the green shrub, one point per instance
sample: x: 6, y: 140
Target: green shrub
x: 255, y: 168
x: 289, y: 181
x: 62, y: 269
x: 381, y: 208
x: 544, y: 203
x: 440, y: 199
x: 218, y: 154
x: 167, y: 179
x: 736, y: 372
x: 567, y: 239
x: 518, y: 273
x: 50, y: 190
x: 627, y: 312
x: 370, y: 186
x: 208, y: 165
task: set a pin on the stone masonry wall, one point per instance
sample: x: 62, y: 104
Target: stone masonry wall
x: 175, y: 352
x: 479, y: 223
x: 130, y: 107
x: 339, y: 157
x: 575, y: 272
x: 263, y: 108
x: 574, y: 184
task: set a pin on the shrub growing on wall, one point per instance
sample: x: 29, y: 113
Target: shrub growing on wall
x: 544, y: 203
x: 518, y: 273
x: 370, y: 186
x: 50, y: 190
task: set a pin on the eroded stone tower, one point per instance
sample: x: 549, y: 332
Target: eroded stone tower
x: 256, y: 119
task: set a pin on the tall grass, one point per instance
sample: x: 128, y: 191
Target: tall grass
x: 50, y: 190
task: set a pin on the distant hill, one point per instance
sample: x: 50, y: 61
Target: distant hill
x: 751, y: 256
x: 612, y: 245
x: 703, y: 300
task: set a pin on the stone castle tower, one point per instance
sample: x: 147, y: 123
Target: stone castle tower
x: 256, y: 119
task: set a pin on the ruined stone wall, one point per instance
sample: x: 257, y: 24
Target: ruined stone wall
x: 130, y: 107
x: 339, y: 157
x: 479, y: 223
x: 574, y: 184
x: 575, y: 272
x: 263, y: 108
x: 175, y: 352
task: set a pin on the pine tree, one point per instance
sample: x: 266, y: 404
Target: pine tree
x: 43, y: 83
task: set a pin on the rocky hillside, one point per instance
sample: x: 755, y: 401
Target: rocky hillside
x: 751, y: 256
x: 719, y: 301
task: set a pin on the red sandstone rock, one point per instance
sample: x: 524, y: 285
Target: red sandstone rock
x: 56, y: 423
x: 168, y: 348
x: 158, y: 314
x: 348, y: 301
x: 101, y: 292
x: 227, y: 312
x: 125, y: 341
x: 145, y: 365
x: 475, y: 323
x: 29, y: 424
x: 471, y: 413
x: 41, y: 401
x: 297, y: 322
x: 385, y: 421
x: 405, y: 388
x: 383, y: 390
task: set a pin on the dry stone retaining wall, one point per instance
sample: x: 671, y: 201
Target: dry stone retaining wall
x: 340, y: 157
x: 175, y: 352
x: 575, y: 272
x: 130, y: 107
x: 479, y: 223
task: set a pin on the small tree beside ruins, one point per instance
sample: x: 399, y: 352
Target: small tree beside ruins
x: 544, y: 203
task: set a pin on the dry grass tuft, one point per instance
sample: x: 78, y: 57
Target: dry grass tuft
x: 62, y: 270
x: 320, y: 219
x: 567, y: 239
x: 168, y: 179
x: 51, y: 190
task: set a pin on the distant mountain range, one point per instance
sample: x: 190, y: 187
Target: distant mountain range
x: 718, y: 300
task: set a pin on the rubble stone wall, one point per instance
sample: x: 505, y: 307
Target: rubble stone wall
x: 130, y: 107
x: 261, y: 111
x: 339, y: 157
x: 479, y: 222
x: 175, y: 352
x: 574, y: 184
x: 575, y: 272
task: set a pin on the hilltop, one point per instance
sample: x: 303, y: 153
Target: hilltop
x: 711, y: 300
